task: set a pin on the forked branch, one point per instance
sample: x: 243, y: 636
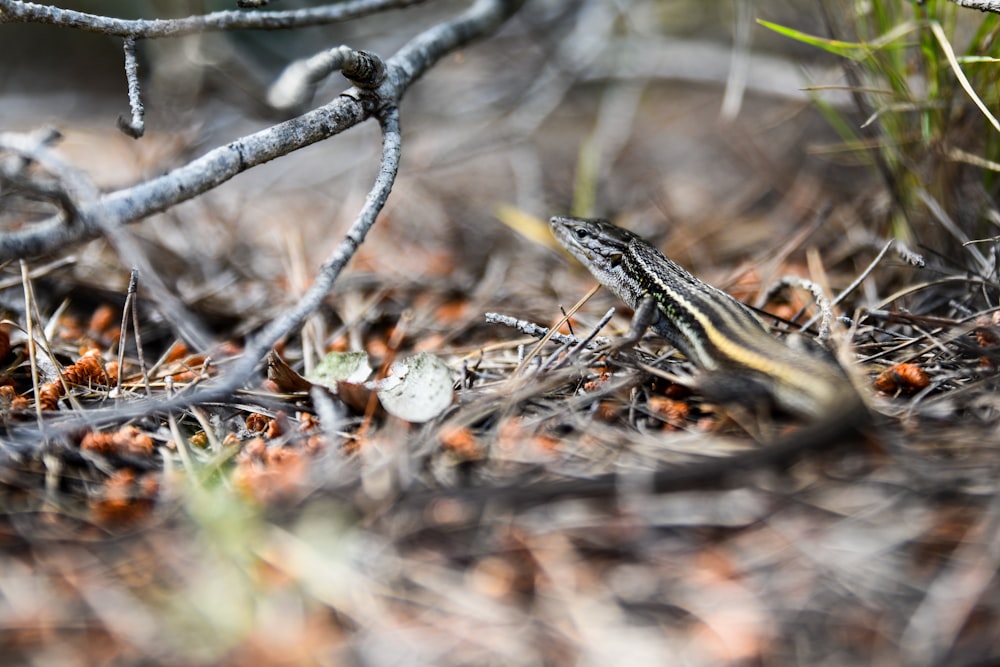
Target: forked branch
x: 86, y: 217
x: 221, y: 164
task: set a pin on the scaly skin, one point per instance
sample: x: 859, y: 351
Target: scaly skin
x: 722, y: 337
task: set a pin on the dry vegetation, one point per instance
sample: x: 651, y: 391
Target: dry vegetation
x: 291, y: 524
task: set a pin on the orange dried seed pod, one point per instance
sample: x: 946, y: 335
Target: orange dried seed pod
x: 905, y: 378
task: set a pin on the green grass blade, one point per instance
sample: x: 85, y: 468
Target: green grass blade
x: 851, y: 50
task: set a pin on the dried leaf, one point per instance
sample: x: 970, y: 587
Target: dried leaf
x: 283, y: 376
x: 417, y: 389
x: 337, y: 367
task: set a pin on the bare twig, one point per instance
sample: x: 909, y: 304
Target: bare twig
x: 532, y: 329
x: 297, y: 84
x: 32, y: 350
x: 981, y: 5
x: 131, y: 308
x: 14, y: 11
x: 136, y: 126
x: 284, y: 324
x: 825, y: 314
x: 554, y: 363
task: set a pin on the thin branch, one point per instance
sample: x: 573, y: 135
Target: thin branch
x: 825, y: 314
x: 221, y: 164
x: 296, y: 85
x: 981, y: 5
x: 538, y: 331
x: 135, y: 127
x: 15, y: 11
x: 331, y: 268
x: 132, y: 307
x: 259, y: 345
x: 555, y: 362
x: 32, y: 352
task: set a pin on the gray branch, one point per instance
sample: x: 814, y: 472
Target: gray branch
x: 223, y: 163
x: 981, y: 5
x: 538, y: 331
x: 15, y: 11
x: 136, y: 126
x: 331, y: 268
x: 297, y: 83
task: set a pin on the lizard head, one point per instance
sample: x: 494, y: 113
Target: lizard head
x: 599, y: 245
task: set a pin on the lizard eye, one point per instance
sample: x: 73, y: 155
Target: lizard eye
x: 582, y: 233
